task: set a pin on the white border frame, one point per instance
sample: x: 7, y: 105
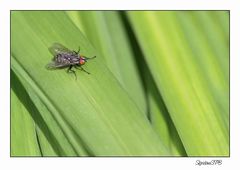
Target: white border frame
x: 117, y: 163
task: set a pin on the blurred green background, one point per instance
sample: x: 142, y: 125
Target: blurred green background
x: 159, y: 85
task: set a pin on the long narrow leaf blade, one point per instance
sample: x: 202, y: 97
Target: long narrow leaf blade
x: 105, y: 30
x: 105, y: 119
x: 182, y: 60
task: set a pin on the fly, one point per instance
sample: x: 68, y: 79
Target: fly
x: 63, y: 57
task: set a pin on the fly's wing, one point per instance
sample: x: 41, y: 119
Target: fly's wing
x: 55, y: 65
x: 64, y: 61
x: 57, y: 48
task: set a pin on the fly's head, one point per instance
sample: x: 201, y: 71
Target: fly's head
x: 82, y: 60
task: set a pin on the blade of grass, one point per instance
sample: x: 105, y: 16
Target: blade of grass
x: 23, y: 134
x: 156, y: 110
x: 105, y: 30
x: 105, y: 119
x: 46, y: 147
x: 182, y: 82
x: 41, y: 116
x: 213, y: 45
x: 161, y: 121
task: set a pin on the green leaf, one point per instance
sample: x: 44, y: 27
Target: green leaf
x: 93, y: 111
x: 106, y: 31
x: 157, y: 112
x: 171, y: 100
x: 161, y: 120
x: 191, y: 77
x: 23, y: 133
x: 41, y: 116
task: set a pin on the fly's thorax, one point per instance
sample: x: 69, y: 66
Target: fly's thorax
x: 67, y: 58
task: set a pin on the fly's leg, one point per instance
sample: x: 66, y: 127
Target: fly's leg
x: 69, y: 70
x: 80, y: 68
x: 77, y: 52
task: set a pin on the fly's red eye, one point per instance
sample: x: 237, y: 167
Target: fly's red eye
x: 82, y: 61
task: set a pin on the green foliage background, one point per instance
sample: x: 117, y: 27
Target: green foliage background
x: 158, y: 87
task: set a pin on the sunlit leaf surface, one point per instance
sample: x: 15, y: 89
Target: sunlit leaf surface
x: 159, y: 85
